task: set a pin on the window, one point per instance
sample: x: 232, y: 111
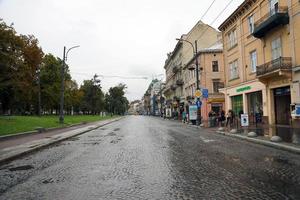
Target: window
x: 232, y: 38
x: 273, y: 7
x: 215, y: 66
x: 216, y: 86
x: 276, y: 48
x: 233, y: 70
x: 251, y: 23
x: 253, y: 61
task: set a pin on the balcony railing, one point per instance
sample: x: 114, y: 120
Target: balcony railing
x: 173, y: 87
x: 175, y: 69
x: 179, y: 82
x: 275, y: 17
x: 281, y: 63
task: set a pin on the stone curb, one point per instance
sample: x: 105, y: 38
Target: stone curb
x: 285, y: 147
x: 21, y: 134
x: 21, y: 150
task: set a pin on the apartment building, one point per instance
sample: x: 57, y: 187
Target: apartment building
x: 179, y: 85
x: 211, y: 73
x: 174, y: 83
x: 262, y: 56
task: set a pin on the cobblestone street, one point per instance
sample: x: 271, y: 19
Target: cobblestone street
x: 143, y: 157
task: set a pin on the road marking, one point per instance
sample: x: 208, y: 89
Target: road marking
x: 206, y: 140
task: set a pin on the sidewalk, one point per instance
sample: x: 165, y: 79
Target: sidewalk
x: 291, y: 137
x: 13, y: 147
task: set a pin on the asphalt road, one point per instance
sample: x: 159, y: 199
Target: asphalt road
x: 150, y: 158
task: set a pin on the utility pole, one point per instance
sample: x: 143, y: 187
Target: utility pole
x: 197, y: 84
x: 62, y: 89
x: 39, y: 91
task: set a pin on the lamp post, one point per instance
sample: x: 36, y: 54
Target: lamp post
x: 194, y: 46
x: 62, y: 89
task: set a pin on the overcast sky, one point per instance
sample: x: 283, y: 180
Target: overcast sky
x: 117, y: 37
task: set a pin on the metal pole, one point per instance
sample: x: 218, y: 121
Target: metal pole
x: 62, y: 72
x: 39, y: 91
x: 197, y: 84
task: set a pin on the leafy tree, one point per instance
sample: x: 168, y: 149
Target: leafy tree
x: 115, y: 100
x: 93, y: 97
x: 10, y: 59
x: 50, y: 79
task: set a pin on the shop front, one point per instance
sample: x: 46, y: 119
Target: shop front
x: 248, y: 98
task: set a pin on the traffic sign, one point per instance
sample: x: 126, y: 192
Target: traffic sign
x: 199, y: 103
x: 198, y: 93
x: 205, y: 93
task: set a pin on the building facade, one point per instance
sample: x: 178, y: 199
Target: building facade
x: 262, y: 58
x: 211, y: 77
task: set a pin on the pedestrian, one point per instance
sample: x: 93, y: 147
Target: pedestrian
x: 222, y: 118
x: 184, y: 117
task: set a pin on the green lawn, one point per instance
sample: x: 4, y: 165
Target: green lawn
x: 17, y: 124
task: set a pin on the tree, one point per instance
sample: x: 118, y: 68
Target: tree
x: 10, y: 59
x: 93, y: 97
x: 115, y: 100
x: 50, y: 79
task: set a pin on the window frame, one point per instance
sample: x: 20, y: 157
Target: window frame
x: 277, y: 49
x: 233, y: 67
x: 253, y: 68
x: 215, y: 63
x: 251, y: 23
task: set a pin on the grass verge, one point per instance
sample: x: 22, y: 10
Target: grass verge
x: 17, y: 124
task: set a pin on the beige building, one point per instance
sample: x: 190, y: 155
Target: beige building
x: 211, y: 73
x: 262, y: 58
x: 180, y: 82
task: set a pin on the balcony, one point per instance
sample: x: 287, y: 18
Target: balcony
x: 179, y: 82
x: 173, y: 87
x: 175, y: 69
x: 275, y: 67
x: 275, y: 17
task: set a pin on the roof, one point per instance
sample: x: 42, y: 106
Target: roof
x: 215, y: 48
x: 236, y: 14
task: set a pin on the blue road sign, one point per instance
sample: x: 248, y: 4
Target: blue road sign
x: 199, y: 103
x: 297, y: 110
x: 205, y: 93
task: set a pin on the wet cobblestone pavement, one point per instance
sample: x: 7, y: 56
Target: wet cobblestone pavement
x: 150, y: 158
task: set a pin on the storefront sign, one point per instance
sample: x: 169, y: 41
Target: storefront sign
x: 242, y: 89
x: 193, y: 112
x: 244, y: 120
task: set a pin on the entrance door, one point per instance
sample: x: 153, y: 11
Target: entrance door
x: 237, y: 104
x: 282, y: 99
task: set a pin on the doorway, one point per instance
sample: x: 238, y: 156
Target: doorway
x: 282, y: 102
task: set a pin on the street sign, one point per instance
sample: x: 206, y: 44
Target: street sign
x: 297, y: 112
x: 244, y: 120
x: 198, y: 93
x: 199, y: 103
x: 205, y: 93
x: 193, y: 112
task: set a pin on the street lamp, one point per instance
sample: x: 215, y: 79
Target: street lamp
x: 197, y: 75
x: 62, y: 89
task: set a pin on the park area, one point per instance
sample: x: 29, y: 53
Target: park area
x: 16, y: 124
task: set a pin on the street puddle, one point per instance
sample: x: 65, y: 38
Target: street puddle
x: 73, y: 139
x: 116, y: 129
x: 279, y: 160
x: 20, y: 168
x: 50, y: 180
x: 111, y: 134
